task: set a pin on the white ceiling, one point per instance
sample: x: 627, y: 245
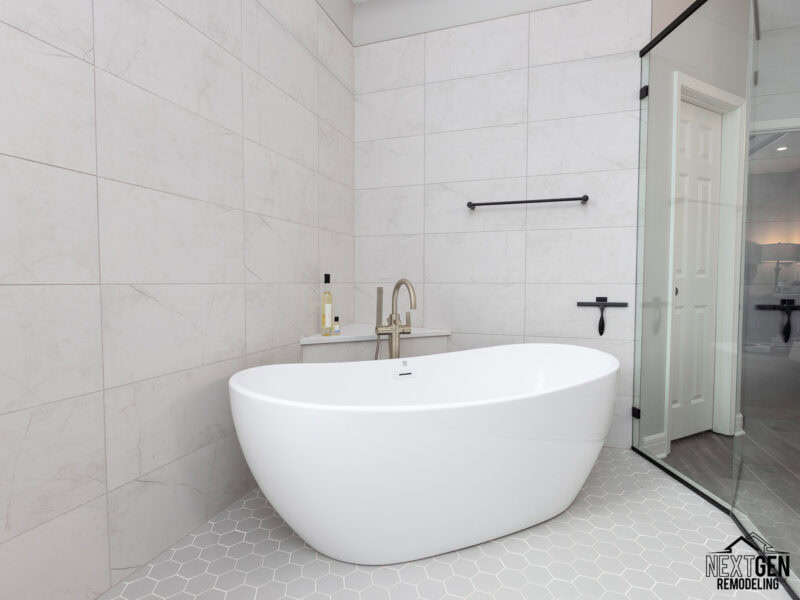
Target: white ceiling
x: 769, y: 160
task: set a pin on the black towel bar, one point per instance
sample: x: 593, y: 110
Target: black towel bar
x: 582, y: 199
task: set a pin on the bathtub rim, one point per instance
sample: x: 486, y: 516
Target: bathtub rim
x: 377, y: 408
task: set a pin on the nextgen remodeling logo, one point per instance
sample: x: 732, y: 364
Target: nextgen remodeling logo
x: 739, y: 571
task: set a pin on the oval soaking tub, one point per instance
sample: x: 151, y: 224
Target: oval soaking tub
x: 388, y: 461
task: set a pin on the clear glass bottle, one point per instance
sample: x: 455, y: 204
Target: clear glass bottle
x: 336, y: 327
x: 327, y: 307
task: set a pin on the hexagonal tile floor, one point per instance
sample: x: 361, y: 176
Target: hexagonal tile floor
x: 632, y: 533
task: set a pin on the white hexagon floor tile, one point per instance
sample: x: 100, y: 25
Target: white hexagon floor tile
x: 632, y: 533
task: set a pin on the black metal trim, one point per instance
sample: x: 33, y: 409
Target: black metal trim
x: 644, y: 91
x: 672, y: 26
x: 716, y: 503
x: 582, y: 199
x: 636, y: 412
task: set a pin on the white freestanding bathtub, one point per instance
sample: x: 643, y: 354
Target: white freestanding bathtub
x: 387, y: 461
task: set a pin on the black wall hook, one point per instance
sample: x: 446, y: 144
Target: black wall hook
x: 787, y: 306
x: 602, y: 303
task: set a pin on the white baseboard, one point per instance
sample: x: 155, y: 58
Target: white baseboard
x: 655, y: 444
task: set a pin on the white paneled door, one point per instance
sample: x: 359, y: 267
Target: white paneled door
x: 695, y: 257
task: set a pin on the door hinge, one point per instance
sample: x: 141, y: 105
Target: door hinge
x: 644, y: 91
x: 636, y: 412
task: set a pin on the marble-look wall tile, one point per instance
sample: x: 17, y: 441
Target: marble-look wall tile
x: 593, y: 28
x: 489, y: 153
x: 279, y: 314
x: 485, y: 47
x: 343, y: 304
x: 389, y: 163
x: 153, y: 422
x: 387, y: 258
x: 446, y: 206
x: 552, y: 311
x: 279, y: 251
x: 594, y: 143
x: 336, y: 103
x: 490, y: 257
x: 278, y: 187
x: 54, y: 461
x: 56, y: 127
x: 50, y: 346
x: 145, y: 140
x: 336, y: 206
x: 72, y: 548
x: 145, y: 43
x: 220, y: 20
x: 48, y: 233
x: 468, y: 341
x: 366, y: 294
x: 152, y: 330
x: 488, y: 308
x: 298, y: 16
x: 390, y: 211
x: 67, y: 26
x: 390, y: 113
x: 484, y: 101
x: 335, y: 50
x: 621, y: 433
x: 584, y: 87
x: 275, y: 356
x: 336, y: 155
x: 572, y: 255
x: 336, y: 256
x: 153, y: 237
x: 392, y: 64
x: 276, y: 121
x: 612, y: 200
x: 229, y: 475
x: 277, y: 55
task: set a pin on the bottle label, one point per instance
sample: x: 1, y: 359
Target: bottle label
x: 326, y: 322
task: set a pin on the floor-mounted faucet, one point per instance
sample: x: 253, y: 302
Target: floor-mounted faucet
x: 394, y: 327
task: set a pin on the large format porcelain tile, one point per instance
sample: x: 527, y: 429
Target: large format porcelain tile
x: 145, y: 140
x: 490, y: 153
x: 390, y: 211
x: 484, y: 257
x: 390, y: 113
x: 612, y: 200
x: 343, y: 304
x: 584, y: 87
x: 387, y: 258
x: 152, y: 330
x: 388, y: 65
x: 56, y: 127
x: 151, y: 423
x: 336, y: 103
x: 153, y: 237
x: 390, y: 163
x: 298, y: 16
x: 72, y: 548
x: 457, y: 342
x: 594, y: 143
x: 552, y: 311
x: 336, y: 256
x: 275, y: 120
x: 335, y: 50
x: 67, y: 26
x: 54, y: 461
x: 336, y: 155
x: 275, y: 356
x: 277, y: 55
x: 488, y: 308
x: 279, y: 314
x: 278, y: 187
x: 48, y: 233
x: 50, y: 345
x: 147, y: 44
x: 220, y: 20
x: 279, y: 251
x: 485, y: 47
x: 601, y: 256
x: 593, y: 28
x: 336, y: 206
x: 446, y: 206
x: 484, y: 101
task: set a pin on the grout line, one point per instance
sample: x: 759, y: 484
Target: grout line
x: 244, y: 185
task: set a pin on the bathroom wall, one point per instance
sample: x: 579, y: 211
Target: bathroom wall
x: 505, y: 110
x: 176, y: 176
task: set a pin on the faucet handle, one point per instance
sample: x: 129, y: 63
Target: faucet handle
x: 408, y: 318
x: 379, y: 308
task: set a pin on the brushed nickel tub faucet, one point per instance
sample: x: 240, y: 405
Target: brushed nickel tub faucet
x: 394, y: 327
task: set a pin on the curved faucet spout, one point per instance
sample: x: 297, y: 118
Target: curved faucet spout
x: 412, y: 294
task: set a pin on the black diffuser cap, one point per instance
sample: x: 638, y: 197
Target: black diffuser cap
x: 327, y: 277
x: 336, y: 319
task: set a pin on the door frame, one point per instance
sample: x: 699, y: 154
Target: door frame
x: 733, y: 110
